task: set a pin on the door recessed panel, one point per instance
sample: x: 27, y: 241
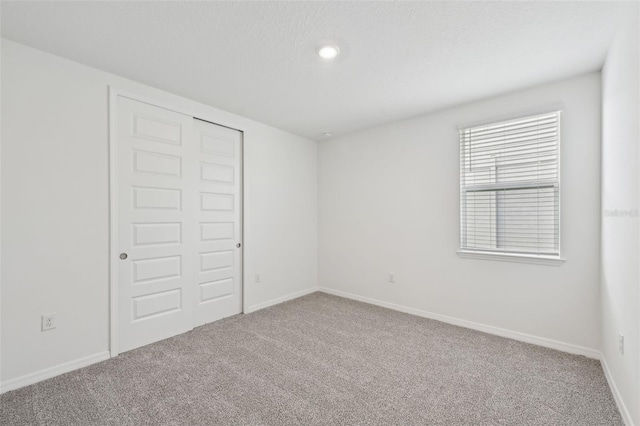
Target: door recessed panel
x: 216, y: 260
x: 153, y: 305
x: 217, y: 173
x: 214, y: 231
x: 216, y: 202
x: 217, y: 145
x: 152, y: 162
x: 156, y: 198
x: 146, y: 270
x: 157, y: 129
x: 214, y: 290
x: 145, y: 234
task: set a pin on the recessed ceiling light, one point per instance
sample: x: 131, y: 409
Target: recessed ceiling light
x: 328, y: 51
x: 327, y: 134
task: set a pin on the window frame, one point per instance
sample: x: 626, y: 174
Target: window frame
x: 513, y: 256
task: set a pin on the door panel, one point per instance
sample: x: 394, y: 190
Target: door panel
x: 157, y: 223
x: 219, y: 215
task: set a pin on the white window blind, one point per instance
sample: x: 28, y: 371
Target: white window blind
x: 510, y: 186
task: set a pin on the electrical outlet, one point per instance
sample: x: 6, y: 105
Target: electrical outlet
x: 48, y: 322
x: 621, y: 343
x: 257, y: 278
x: 392, y: 277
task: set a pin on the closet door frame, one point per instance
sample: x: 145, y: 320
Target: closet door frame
x: 172, y: 105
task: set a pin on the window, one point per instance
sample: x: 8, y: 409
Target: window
x: 510, y: 188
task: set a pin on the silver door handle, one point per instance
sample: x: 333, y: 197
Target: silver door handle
x: 238, y: 245
x: 123, y: 256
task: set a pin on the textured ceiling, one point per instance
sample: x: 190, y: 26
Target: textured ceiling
x: 258, y: 59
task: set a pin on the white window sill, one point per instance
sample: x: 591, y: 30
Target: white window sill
x: 511, y: 257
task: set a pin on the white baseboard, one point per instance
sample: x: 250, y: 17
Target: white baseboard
x: 515, y: 335
x: 47, y: 373
x: 624, y: 412
x: 278, y: 300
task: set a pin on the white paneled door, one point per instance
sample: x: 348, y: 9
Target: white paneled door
x: 219, y: 214
x: 179, y: 223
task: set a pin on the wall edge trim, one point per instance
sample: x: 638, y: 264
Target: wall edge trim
x: 502, y: 332
x: 624, y: 411
x: 56, y: 370
x: 278, y: 300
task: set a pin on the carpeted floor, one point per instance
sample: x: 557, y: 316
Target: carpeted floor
x: 324, y: 360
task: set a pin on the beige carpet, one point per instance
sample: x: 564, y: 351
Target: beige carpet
x: 324, y: 360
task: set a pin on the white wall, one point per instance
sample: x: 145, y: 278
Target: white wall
x: 389, y: 200
x: 620, y: 292
x: 55, y: 242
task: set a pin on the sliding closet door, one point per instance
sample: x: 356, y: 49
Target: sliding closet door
x: 219, y: 214
x: 156, y: 223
